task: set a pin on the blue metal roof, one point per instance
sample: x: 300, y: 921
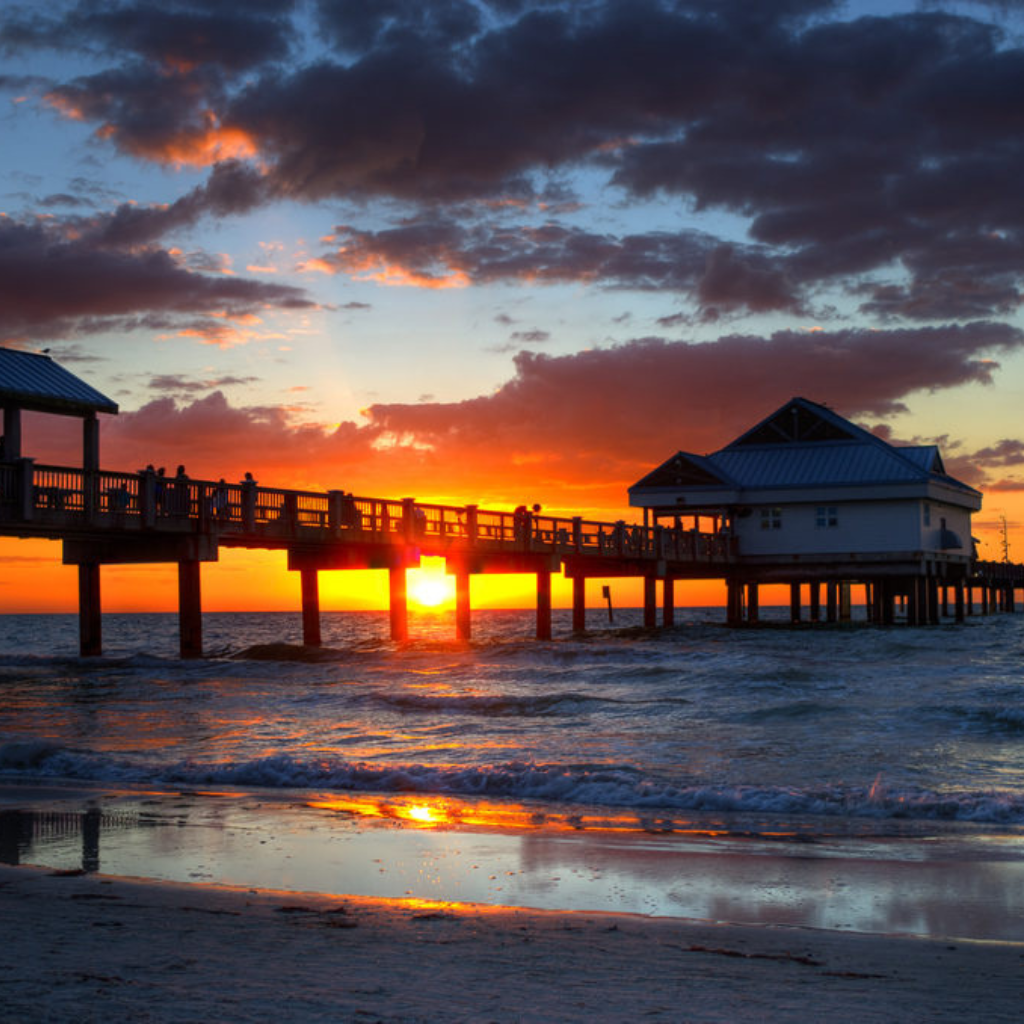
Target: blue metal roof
x: 810, y: 465
x: 926, y: 456
x: 804, y: 444
x: 30, y: 381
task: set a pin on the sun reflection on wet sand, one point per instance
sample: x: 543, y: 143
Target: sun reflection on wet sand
x: 487, y: 815
x: 433, y: 853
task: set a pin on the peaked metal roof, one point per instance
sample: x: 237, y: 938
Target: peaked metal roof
x: 30, y: 381
x: 805, y: 465
x: 803, y: 444
x: 926, y: 456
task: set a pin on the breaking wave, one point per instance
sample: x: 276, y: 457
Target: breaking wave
x: 618, y: 786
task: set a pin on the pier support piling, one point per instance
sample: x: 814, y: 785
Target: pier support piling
x: 831, y: 601
x: 650, y: 602
x: 463, y: 628
x: 398, y: 605
x: 668, y: 603
x: 734, y: 602
x: 579, y: 604
x: 794, y: 602
x: 544, y: 605
x: 845, y: 602
x: 932, y: 586
x: 190, y: 609
x: 310, y: 583
x: 90, y: 627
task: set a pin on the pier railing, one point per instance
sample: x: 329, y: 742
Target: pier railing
x: 999, y: 572
x: 58, y: 500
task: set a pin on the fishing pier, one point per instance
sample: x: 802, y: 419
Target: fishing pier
x: 115, y: 518
x: 106, y: 518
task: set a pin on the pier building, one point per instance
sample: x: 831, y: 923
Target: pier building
x: 812, y: 499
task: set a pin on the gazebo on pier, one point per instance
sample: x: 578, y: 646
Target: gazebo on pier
x: 36, y: 383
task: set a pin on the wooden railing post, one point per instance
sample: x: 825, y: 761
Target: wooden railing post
x: 147, y: 498
x: 335, y: 505
x: 27, y: 489
x: 472, y: 527
x: 577, y: 534
x: 291, y: 511
x: 409, y: 518
x: 249, y: 492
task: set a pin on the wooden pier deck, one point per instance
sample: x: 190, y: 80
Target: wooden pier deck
x: 106, y: 518
x: 116, y: 518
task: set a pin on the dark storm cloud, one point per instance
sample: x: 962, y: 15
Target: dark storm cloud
x: 1008, y: 452
x: 720, y: 277
x: 877, y: 155
x: 180, y: 384
x: 358, y: 26
x: 650, y: 395
x: 54, y: 286
x: 232, y: 188
x: 885, y: 139
x: 227, y: 33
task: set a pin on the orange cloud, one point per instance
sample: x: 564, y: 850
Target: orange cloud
x: 64, y: 106
x: 319, y: 265
x: 222, y: 337
x: 196, y: 147
x: 369, y: 267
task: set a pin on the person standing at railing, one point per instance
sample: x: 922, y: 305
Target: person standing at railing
x: 249, y: 502
x: 221, y: 503
x: 520, y: 529
x: 180, y: 505
x: 350, y: 514
x: 160, y: 491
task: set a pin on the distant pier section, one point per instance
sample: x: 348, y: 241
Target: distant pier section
x: 105, y: 518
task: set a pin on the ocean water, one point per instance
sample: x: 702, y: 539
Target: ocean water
x: 851, y: 730
x: 845, y: 777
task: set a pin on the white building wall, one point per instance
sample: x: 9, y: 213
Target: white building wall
x: 958, y: 520
x: 861, y: 527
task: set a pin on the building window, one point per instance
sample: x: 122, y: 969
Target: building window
x: 771, y: 519
x: 927, y: 514
x: 826, y: 516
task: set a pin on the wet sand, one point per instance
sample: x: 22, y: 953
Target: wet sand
x: 253, y: 909
x: 92, y: 948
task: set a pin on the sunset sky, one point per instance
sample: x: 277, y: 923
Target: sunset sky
x: 506, y: 251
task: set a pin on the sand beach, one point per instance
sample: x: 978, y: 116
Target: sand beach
x: 83, y: 945
x: 97, y: 948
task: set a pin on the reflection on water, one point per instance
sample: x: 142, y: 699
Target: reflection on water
x: 63, y: 835
x: 488, y: 852
x: 448, y: 812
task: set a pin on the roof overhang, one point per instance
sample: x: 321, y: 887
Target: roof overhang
x: 37, y: 384
x: 669, y: 500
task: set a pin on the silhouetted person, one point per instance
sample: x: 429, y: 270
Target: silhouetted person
x: 181, y: 503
